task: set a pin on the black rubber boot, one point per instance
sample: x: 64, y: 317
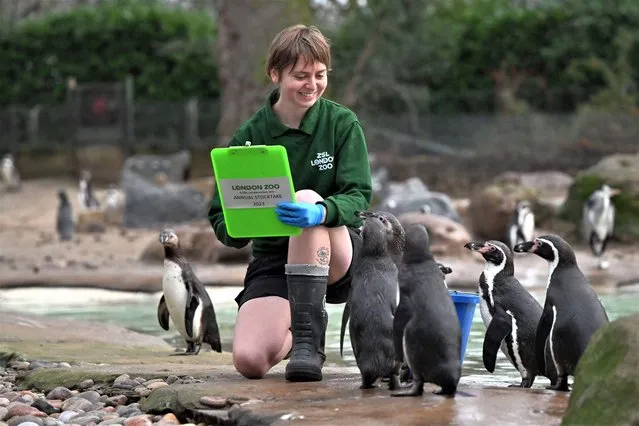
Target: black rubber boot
x: 322, y: 341
x: 306, y: 296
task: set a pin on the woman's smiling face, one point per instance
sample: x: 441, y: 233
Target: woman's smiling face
x: 301, y: 85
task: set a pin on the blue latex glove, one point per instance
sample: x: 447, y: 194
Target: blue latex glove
x: 302, y: 215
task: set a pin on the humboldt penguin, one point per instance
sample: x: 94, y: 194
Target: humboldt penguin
x: 598, y: 221
x: 86, y: 197
x: 509, y: 312
x: 572, y: 310
x: 10, y: 174
x: 522, y: 224
x: 185, y: 300
x: 372, y: 299
x: 64, y: 220
x: 426, y: 319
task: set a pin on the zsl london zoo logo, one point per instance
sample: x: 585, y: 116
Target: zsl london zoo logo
x: 324, y: 161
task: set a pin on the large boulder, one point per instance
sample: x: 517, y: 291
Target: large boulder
x: 619, y: 171
x: 412, y: 196
x: 447, y: 237
x: 199, y: 245
x: 491, y: 209
x: 606, y: 386
x: 156, y: 193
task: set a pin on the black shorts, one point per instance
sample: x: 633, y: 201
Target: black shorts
x: 265, y: 276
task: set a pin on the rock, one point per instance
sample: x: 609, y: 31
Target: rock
x: 549, y: 183
x: 141, y: 420
x: 618, y: 171
x: 413, y: 196
x: 200, y: 245
x: 175, y: 166
x: 447, y: 236
x: 60, y: 392
x: 148, y: 205
x: 606, y: 385
x: 91, y: 221
x: 490, y: 209
x: 204, y: 185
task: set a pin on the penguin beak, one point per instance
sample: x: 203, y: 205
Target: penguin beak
x: 615, y: 191
x: 163, y: 238
x: 364, y: 214
x: 527, y: 247
x: 478, y: 246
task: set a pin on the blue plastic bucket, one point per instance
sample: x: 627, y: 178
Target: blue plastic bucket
x: 465, y: 304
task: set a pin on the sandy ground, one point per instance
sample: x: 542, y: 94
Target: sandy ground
x: 31, y: 255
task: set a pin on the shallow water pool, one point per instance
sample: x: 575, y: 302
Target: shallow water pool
x: 137, y: 311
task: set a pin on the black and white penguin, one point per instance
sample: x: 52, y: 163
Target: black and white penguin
x: 86, y: 197
x: 372, y: 299
x: 445, y: 270
x: 598, y: 221
x: 522, y: 224
x: 572, y: 310
x: 186, y: 300
x: 10, y: 174
x: 64, y: 220
x: 426, y: 319
x: 509, y: 312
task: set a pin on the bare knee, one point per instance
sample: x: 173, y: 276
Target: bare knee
x: 307, y: 196
x: 250, y: 362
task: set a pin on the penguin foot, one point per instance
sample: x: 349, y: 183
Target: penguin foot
x: 525, y: 383
x: 417, y: 389
x: 561, y: 384
x: 393, y: 383
x: 367, y: 386
x: 183, y: 353
x: 449, y: 393
x: 558, y: 388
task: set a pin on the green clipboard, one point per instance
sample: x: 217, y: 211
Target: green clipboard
x: 251, y: 180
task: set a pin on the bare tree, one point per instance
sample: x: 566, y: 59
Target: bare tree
x: 245, y: 29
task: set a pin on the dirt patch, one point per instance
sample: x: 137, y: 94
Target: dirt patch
x: 32, y: 255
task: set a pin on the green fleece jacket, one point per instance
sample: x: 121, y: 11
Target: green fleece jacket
x: 327, y: 154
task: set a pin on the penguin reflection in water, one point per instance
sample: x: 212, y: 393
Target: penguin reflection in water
x: 426, y: 319
x: 185, y: 300
x: 510, y: 314
x: 372, y: 299
x: 598, y: 221
x: 572, y: 310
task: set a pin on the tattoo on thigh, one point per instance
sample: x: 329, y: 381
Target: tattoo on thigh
x: 323, y: 256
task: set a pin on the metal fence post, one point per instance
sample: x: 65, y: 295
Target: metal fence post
x: 128, y: 139
x: 191, y: 118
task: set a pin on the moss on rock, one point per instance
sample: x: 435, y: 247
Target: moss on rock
x: 606, y: 387
x: 46, y: 379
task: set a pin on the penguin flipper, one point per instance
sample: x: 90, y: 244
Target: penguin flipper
x: 211, y: 334
x: 500, y: 326
x: 189, y: 313
x: 163, y: 314
x: 402, y: 315
x: 345, y: 315
x: 543, y: 331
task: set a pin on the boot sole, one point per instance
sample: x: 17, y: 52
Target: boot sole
x: 302, y: 375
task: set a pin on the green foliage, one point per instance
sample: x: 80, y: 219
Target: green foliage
x: 620, y: 91
x: 167, y: 50
x: 491, y: 55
